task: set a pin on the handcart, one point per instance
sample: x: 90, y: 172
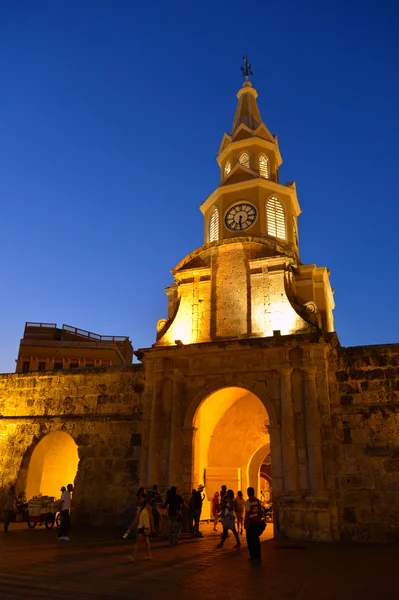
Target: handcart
x: 43, y: 511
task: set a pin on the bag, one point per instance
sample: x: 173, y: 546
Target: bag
x: 262, y: 523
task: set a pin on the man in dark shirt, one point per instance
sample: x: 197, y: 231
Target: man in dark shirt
x: 196, y: 509
x: 175, y: 508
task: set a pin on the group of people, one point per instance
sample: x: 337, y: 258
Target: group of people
x: 158, y: 517
x: 182, y: 514
x: 249, y: 515
x: 176, y: 513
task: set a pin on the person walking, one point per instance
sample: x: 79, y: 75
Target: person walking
x: 239, y: 508
x: 223, y: 495
x: 143, y: 530
x: 140, y: 499
x: 215, y: 510
x: 253, y: 525
x: 65, y: 508
x: 175, y: 509
x: 228, y: 520
x: 9, y: 507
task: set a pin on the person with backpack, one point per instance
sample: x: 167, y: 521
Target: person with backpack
x: 254, y: 525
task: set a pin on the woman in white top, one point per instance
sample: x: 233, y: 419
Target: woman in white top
x: 144, y: 530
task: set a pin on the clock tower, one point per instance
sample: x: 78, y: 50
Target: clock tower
x: 247, y: 279
x: 250, y: 199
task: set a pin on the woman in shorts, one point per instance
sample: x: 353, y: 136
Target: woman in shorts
x: 143, y: 530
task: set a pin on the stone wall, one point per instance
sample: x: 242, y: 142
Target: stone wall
x: 334, y: 428
x: 364, y: 393
x: 101, y: 409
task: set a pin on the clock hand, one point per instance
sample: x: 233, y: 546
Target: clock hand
x: 240, y: 221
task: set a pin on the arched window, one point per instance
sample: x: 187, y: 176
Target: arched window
x: 264, y: 168
x: 275, y: 218
x: 227, y: 168
x: 214, y: 226
x: 244, y: 160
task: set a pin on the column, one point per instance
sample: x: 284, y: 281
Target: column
x: 155, y: 443
x: 288, y: 432
x: 189, y: 477
x: 313, y: 432
x: 277, y: 460
x: 176, y: 435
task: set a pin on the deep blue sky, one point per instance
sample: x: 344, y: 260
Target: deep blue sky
x: 111, y: 114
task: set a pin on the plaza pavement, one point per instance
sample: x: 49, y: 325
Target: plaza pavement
x: 94, y: 565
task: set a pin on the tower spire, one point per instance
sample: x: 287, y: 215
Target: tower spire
x: 247, y: 111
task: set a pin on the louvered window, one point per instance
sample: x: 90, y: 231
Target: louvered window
x: 227, y: 168
x: 214, y: 226
x: 275, y: 218
x: 244, y: 159
x: 264, y: 169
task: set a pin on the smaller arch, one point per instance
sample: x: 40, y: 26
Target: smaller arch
x: 227, y: 168
x: 254, y: 466
x: 275, y: 217
x: 53, y: 463
x: 264, y: 166
x: 214, y: 226
x: 244, y: 159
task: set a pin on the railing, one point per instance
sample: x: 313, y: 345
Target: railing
x: 89, y: 335
x: 41, y: 330
x: 41, y: 325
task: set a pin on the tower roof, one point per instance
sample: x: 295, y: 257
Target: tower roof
x: 247, y: 111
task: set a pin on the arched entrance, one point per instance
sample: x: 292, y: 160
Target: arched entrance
x: 231, y: 440
x: 54, y: 462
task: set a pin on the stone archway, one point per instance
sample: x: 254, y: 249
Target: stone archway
x: 53, y: 463
x: 230, y: 427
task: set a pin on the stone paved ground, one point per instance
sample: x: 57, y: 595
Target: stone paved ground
x: 95, y: 566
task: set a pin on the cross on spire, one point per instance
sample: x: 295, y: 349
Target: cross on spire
x: 247, y: 70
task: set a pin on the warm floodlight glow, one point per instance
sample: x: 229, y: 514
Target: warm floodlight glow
x: 264, y: 166
x: 227, y: 168
x: 214, y: 226
x: 244, y: 159
x: 275, y: 218
x: 54, y: 463
x: 231, y: 413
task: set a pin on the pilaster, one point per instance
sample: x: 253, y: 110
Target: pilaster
x: 176, y: 437
x: 313, y: 433
x: 290, y: 477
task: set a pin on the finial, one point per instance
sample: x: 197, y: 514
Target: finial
x: 247, y: 70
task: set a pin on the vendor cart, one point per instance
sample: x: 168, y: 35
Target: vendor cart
x: 43, y: 511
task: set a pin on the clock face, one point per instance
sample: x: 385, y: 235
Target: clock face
x: 240, y: 217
